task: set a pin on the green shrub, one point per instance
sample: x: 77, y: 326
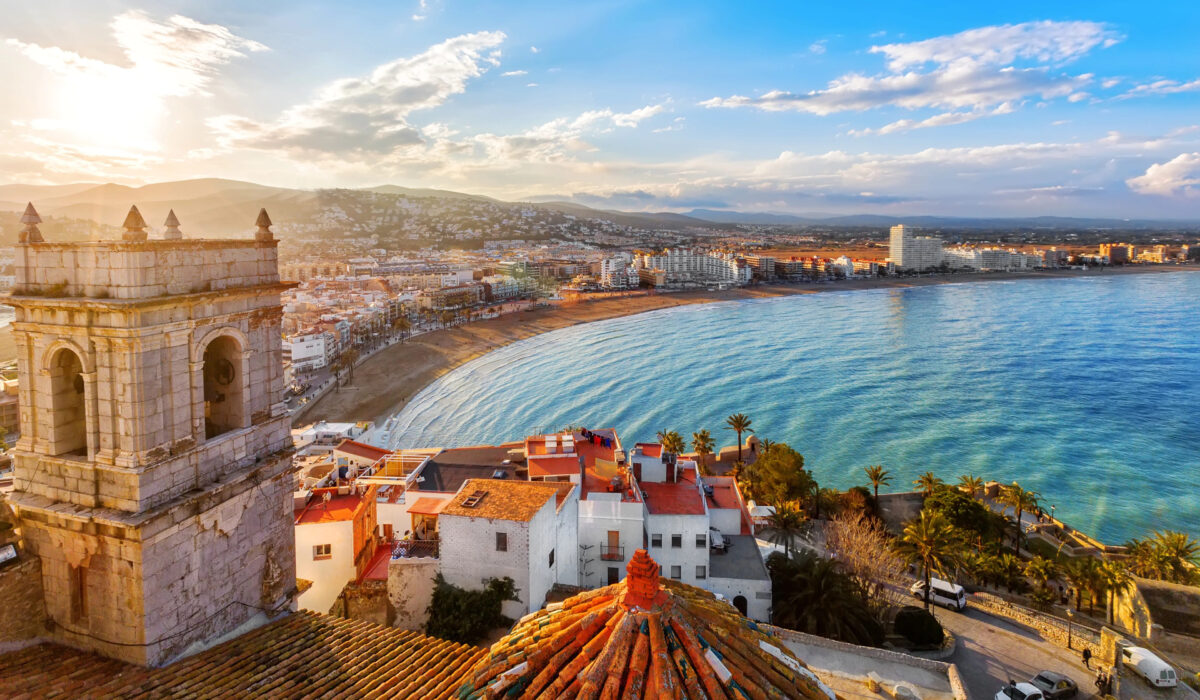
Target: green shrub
x: 919, y: 627
x: 466, y: 616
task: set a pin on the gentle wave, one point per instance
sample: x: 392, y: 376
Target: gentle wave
x: 1087, y: 390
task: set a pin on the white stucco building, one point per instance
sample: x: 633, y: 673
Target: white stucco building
x: 524, y: 530
x: 910, y: 252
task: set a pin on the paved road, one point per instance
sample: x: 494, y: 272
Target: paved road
x: 992, y: 650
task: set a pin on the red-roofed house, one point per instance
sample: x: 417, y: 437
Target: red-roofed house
x: 336, y: 537
x: 358, y: 454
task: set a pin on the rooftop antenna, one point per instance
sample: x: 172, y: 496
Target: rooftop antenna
x: 264, y: 226
x: 172, y: 232
x: 135, y: 226
x: 31, y: 233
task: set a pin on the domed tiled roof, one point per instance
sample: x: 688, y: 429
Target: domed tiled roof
x: 645, y: 637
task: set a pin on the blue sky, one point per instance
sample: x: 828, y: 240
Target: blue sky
x: 1017, y: 108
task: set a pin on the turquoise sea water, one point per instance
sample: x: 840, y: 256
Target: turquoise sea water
x: 1086, y: 390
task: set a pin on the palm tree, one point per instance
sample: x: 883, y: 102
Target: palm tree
x: 878, y: 476
x: 785, y: 524
x: 402, y: 326
x: 813, y: 595
x: 739, y: 423
x: 1181, y: 553
x: 971, y: 484
x: 673, y: 443
x: 1021, y: 501
x: 1082, y: 574
x: 764, y: 447
x: 928, y: 483
x: 1117, y: 579
x: 930, y: 542
x: 702, y: 444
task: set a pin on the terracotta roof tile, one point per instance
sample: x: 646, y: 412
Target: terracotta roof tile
x: 302, y: 655
x: 645, y: 637
x: 504, y: 499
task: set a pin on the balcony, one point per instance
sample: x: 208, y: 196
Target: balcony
x: 415, y: 549
x: 612, y: 553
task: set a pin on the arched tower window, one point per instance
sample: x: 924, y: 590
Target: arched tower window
x: 68, y: 413
x: 224, y: 407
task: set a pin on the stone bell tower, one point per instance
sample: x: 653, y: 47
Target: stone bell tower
x: 152, y: 475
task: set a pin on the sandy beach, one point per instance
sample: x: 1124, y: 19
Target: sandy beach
x: 386, y: 381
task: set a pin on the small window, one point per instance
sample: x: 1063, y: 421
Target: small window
x: 701, y: 541
x: 552, y: 559
x: 614, y: 575
x: 676, y: 541
x: 322, y: 551
x: 501, y: 541
x: 655, y: 540
x: 676, y: 572
x: 701, y: 572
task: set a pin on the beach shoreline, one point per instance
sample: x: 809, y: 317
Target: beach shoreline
x: 385, y: 383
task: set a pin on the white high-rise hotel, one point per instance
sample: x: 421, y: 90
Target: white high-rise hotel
x: 911, y: 252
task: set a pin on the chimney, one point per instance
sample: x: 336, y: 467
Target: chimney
x: 264, y: 227
x: 31, y: 233
x: 172, y: 232
x: 135, y: 226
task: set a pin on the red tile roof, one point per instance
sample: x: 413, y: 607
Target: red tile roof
x: 361, y: 449
x: 339, y: 507
x: 505, y: 499
x: 304, y: 654
x: 679, y: 498
x: 427, y: 506
x: 558, y: 465
x: 646, y: 637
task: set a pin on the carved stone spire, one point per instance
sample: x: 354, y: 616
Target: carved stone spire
x: 264, y: 227
x: 172, y: 232
x: 31, y: 233
x: 135, y: 226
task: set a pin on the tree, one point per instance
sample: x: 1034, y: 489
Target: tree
x: 786, y: 524
x: 466, y: 616
x: 781, y: 475
x: 702, y: 444
x: 1021, y: 501
x: 929, y: 542
x: 349, y: 359
x: 973, y: 485
x: 811, y: 594
x: 971, y: 517
x: 671, y: 441
x: 1117, y: 580
x: 863, y: 547
x: 928, y: 483
x: 1167, y: 556
x: 739, y: 423
x: 1042, y: 571
x: 878, y: 476
x: 401, y: 325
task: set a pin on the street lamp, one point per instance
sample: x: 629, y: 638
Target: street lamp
x: 1070, y: 616
x: 1052, y: 506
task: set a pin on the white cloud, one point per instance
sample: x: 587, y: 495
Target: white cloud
x: 512, y: 73
x: 972, y: 70
x: 1163, y: 87
x: 556, y: 139
x: 365, y: 117
x: 1043, y: 42
x: 534, y: 49
x: 178, y: 57
x: 1178, y: 176
x: 676, y: 125
x: 817, y: 47
x: 530, y: 85
x: 1108, y: 83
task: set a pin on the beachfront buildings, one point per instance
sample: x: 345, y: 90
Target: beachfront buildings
x: 991, y: 259
x: 691, y: 266
x: 914, y: 253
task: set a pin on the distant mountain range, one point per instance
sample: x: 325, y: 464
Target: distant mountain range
x: 218, y: 207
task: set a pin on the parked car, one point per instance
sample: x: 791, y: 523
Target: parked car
x: 950, y: 595
x: 1019, y: 691
x: 1144, y: 663
x: 1054, y: 685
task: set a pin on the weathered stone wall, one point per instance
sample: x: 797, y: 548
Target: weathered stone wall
x: 146, y: 269
x: 22, y: 610
x: 1051, y: 629
x: 410, y: 591
x: 187, y: 573
x: 364, y: 601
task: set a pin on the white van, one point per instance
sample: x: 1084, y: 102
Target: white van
x: 1144, y: 663
x: 950, y: 595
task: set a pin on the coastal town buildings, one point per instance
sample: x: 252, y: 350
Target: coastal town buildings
x: 913, y: 253
x: 683, y: 266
